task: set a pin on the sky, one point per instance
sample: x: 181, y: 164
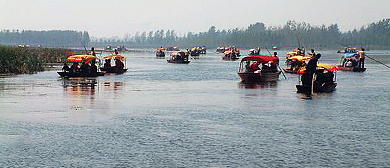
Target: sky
x: 108, y: 18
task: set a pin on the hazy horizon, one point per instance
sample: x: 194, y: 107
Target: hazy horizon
x: 120, y: 17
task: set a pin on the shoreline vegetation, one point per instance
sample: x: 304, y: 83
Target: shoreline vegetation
x: 16, y: 60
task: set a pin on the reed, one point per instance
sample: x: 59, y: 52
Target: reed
x: 23, y: 60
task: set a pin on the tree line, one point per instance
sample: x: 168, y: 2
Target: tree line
x: 52, y: 38
x: 375, y: 35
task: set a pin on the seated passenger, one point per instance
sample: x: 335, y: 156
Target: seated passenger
x: 65, y: 68
x: 107, y: 63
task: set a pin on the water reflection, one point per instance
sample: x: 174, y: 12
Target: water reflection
x: 113, y: 86
x: 80, y: 86
x: 260, y: 85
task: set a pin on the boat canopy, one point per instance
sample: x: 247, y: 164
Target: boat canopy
x: 350, y: 55
x: 122, y: 58
x: 325, y: 66
x: 261, y: 58
x: 81, y: 58
x: 300, y: 58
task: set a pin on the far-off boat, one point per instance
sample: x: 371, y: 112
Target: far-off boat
x: 179, y: 57
x: 160, y: 53
x: 259, y: 68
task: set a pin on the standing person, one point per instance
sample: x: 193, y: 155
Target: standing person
x: 362, y: 55
x: 312, y: 53
x: 93, y: 67
x: 92, y: 52
x: 311, y: 67
x: 116, y: 52
x: 65, y: 68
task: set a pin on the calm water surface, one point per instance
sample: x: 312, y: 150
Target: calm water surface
x: 196, y: 115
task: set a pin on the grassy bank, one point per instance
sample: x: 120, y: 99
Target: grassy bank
x: 22, y: 60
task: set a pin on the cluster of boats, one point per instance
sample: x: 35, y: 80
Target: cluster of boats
x: 254, y: 68
x: 84, y: 65
x: 314, y: 76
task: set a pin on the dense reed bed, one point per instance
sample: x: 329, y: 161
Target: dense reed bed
x: 22, y: 60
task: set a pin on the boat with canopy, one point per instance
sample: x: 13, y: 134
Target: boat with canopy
x: 259, y: 68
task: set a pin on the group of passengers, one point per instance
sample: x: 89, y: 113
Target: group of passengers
x: 118, y: 64
x: 85, y: 68
x: 355, y: 60
x: 270, y: 66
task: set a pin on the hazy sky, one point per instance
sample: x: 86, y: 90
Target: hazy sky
x: 106, y: 18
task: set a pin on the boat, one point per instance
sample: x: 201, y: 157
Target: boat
x: 250, y: 72
x: 75, y: 71
x: 174, y: 48
x: 119, y: 67
x: 222, y: 49
x: 294, y: 63
x: 296, y: 52
x: 179, y: 57
x: 194, y: 51
x: 324, y: 79
x: 231, y: 54
x: 348, y: 50
x: 275, y: 48
x: 349, y: 62
x: 254, y: 51
x: 160, y: 53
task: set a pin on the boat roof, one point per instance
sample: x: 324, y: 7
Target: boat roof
x: 106, y: 57
x: 328, y: 67
x: 300, y: 58
x: 81, y: 58
x: 261, y: 58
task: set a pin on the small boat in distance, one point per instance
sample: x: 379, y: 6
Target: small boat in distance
x: 179, y: 57
x: 85, y: 70
x: 160, y: 53
x: 119, y: 67
x: 250, y: 72
x: 231, y: 54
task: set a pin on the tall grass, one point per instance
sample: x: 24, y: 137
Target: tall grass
x: 21, y: 60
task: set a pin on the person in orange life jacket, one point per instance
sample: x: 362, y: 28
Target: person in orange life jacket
x: 362, y: 55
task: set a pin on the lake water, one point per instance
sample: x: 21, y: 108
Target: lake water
x: 196, y: 115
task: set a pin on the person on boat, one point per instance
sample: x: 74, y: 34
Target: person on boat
x: 93, y: 67
x: 275, y: 54
x: 257, y: 51
x: 119, y: 64
x: 311, y: 67
x: 312, y: 53
x: 84, y: 68
x: 255, y: 66
x: 75, y: 67
x: 362, y: 56
x: 107, y: 63
x: 248, y: 66
x: 92, y: 52
x: 116, y: 52
x: 65, y: 68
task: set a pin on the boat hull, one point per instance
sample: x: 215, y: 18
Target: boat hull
x: 354, y: 69
x: 113, y: 70
x: 290, y: 71
x: 326, y: 88
x: 178, y: 61
x: 230, y: 58
x: 69, y: 74
x: 250, y: 77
